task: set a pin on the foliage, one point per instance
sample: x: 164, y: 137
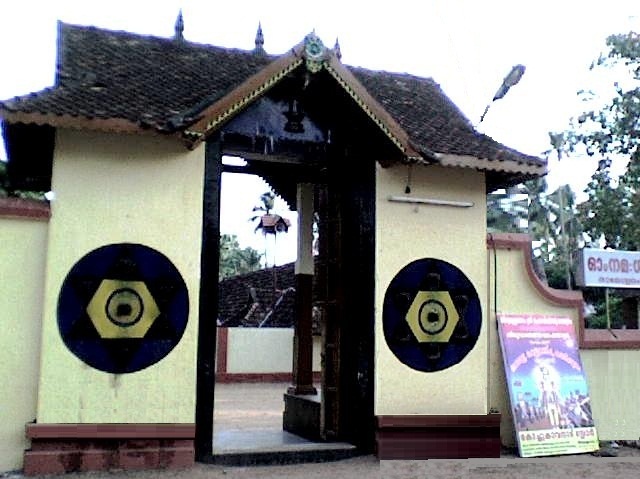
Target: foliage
x: 598, y: 320
x: 267, y: 200
x: 612, y: 131
x: 507, y: 210
x: 6, y: 190
x: 605, y: 213
x: 235, y: 260
x: 549, y: 218
x: 269, y: 223
x: 4, y: 180
x: 612, y: 128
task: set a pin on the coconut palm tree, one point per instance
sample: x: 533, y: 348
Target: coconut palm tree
x: 268, y: 222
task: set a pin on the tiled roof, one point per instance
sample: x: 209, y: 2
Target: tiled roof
x: 432, y: 120
x: 245, y: 300
x: 263, y: 298
x: 123, y: 81
x: 146, y: 81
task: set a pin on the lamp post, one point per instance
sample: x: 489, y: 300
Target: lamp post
x: 510, y: 80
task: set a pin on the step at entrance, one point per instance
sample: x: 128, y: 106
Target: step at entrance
x: 262, y: 446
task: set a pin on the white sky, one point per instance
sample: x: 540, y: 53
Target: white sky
x: 467, y: 46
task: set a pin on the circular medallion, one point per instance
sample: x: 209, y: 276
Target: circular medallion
x: 122, y: 308
x: 431, y: 315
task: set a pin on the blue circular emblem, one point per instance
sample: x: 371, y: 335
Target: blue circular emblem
x: 431, y: 315
x: 122, y: 307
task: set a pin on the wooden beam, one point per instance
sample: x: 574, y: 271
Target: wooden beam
x: 268, y: 158
x: 208, y: 304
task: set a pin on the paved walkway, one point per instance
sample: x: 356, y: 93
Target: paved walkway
x: 249, y: 406
x: 248, y: 422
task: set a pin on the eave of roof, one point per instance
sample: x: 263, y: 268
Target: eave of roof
x: 115, y: 125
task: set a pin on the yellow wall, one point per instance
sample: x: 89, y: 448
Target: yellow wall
x: 516, y: 294
x: 613, y: 378
x: 23, y: 247
x: 264, y: 350
x: 111, y: 189
x: 405, y: 233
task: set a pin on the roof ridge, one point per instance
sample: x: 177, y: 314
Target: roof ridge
x: 170, y: 40
x: 394, y: 73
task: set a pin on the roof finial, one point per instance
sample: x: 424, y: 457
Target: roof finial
x: 259, y: 40
x: 179, y: 27
x: 336, y: 50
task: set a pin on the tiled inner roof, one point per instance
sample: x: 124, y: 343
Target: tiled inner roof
x: 163, y: 84
x: 261, y: 298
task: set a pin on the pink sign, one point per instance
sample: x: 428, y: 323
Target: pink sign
x: 548, y: 391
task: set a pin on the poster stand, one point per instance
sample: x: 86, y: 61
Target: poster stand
x: 547, y: 386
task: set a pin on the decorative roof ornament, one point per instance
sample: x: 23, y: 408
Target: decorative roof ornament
x: 336, y: 50
x: 259, y: 49
x: 314, y: 52
x: 179, y: 28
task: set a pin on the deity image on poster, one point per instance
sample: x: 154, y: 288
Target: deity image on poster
x: 548, y: 390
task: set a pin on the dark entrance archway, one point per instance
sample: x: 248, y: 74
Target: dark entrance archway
x: 308, y: 130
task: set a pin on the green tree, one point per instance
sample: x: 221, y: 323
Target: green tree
x: 507, y: 210
x: 6, y: 189
x: 268, y: 222
x: 567, y: 238
x: 612, y: 131
x: 604, y: 214
x: 4, y: 181
x: 235, y: 260
x: 551, y: 221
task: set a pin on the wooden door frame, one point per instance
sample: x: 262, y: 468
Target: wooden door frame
x: 208, y: 299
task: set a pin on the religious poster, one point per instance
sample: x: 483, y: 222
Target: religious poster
x: 548, y: 390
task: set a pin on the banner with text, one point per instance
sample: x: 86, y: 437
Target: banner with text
x: 550, y: 400
x: 609, y: 268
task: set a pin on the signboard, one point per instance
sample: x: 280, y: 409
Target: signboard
x: 548, y: 391
x: 609, y: 268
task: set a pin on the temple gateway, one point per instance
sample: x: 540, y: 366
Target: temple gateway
x: 111, y: 289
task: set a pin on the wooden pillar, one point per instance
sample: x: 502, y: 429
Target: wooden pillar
x: 207, y: 314
x: 303, y: 332
x: 330, y: 295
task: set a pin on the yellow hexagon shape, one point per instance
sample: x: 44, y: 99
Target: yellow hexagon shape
x: 432, y: 317
x: 122, y: 309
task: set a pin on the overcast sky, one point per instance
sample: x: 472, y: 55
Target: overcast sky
x: 467, y: 46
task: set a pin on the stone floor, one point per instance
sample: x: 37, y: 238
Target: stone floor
x: 248, y: 428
